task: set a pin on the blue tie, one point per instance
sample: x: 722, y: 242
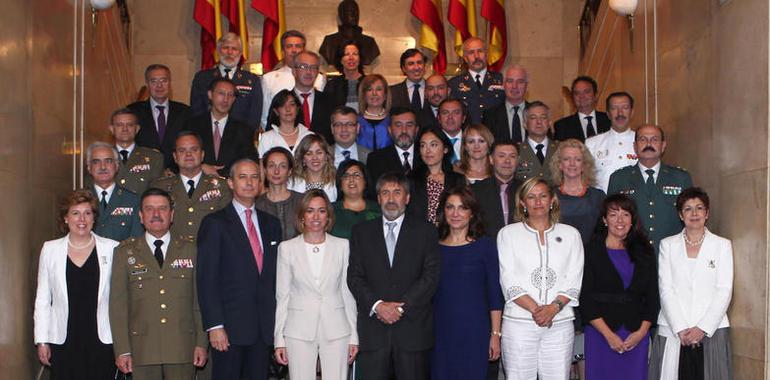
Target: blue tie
x: 453, y: 140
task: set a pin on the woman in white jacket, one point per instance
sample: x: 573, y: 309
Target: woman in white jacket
x: 541, y: 271
x: 695, y: 278
x: 315, y: 312
x: 72, y: 327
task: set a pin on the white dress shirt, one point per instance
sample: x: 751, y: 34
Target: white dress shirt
x: 195, y: 180
x: 156, y: 112
x: 273, y: 138
x: 396, y: 230
x: 644, y: 169
x: 584, y: 122
x: 282, y: 79
x: 401, y: 155
x: 109, y: 191
x: 222, y: 123
x: 520, y: 113
x: 129, y: 149
x: 241, y: 211
x: 410, y: 90
x: 339, y: 157
x: 611, y: 151
x: 151, y: 242
x: 481, y: 74
x: 310, y: 100
x: 457, y: 146
x: 315, y: 259
x: 533, y: 144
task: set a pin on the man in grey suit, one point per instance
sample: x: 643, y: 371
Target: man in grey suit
x: 345, y: 131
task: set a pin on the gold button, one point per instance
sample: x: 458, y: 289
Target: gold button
x: 163, y: 306
x: 123, y: 181
x: 163, y: 291
x: 190, y: 223
x: 163, y: 320
x: 160, y: 277
x: 190, y: 209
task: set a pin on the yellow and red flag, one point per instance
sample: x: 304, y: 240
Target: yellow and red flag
x: 494, y: 12
x: 272, y: 29
x: 206, y: 14
x: 235, y: 11
x: 432, y: 31
x: 462, y: 16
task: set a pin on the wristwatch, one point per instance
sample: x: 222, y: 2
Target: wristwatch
x: 559, y: 303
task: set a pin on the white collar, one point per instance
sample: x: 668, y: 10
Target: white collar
x: 151, y: 241
x: 482, y: 73
x: 154, y: 104
x: 656, y: 168
x: 130, y: 149
x: 592, y: 114
x: 195, y: 179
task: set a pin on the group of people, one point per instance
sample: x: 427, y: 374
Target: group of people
x: 422, y: 230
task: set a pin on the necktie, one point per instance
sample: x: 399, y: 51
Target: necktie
x: 504, y: 201
x: 346, y: 154
x: 124, y: 156
x: 254, y: 240
x: 306, y: 109
x: 191, y: 189
x: 453, y: 140
x: 159, y: 252
x: 590, y: 131
x: 217, y: 139
x: 416, y: 101
x: 227, y: 73
x: 516, y: 126
x: 407, y: 167
x: 104, y: 200
x: 161, y: 123
x: 650, y: 179
x: 478, y: 81
x: 390, y: 241
x: 539, y: 153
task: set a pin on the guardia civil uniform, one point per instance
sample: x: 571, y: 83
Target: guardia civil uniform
x: 120, y: 220
x: 611, y: 151
x: 210, y: 194
x: 656, y: 203
x: 154, y: 313
x: 143, y: 166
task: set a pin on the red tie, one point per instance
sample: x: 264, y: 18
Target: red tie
x: 306, y: 109
x: 254, y: 240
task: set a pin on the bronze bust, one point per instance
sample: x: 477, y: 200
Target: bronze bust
x: 349, y: 30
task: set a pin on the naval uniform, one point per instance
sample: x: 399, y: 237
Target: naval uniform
x: 611, y: 151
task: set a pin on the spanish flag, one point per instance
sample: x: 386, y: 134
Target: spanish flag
x: 494, y: 12
x: 462, y: 16
x: 272, y: 29
x: 206, y: 14
x: 235, y: 11
x: 432, y: 31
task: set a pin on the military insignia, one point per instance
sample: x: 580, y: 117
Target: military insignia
x: 602, y: 153
x: 711, y: 264
x: 463, y: 87
x: 140, y: 168
x: 631, y: 156
x: 495, y: 87
x: 672, y: 190
x: 138, y: 271
x: 146, y: 159
x: 209, y: 195
x: 182, y: 264
x: 240, y: 75
x: 628, y: 191
x: 118, y: 211
x: 243, y: 89
x: 131, y: 260
x: 214, y: 182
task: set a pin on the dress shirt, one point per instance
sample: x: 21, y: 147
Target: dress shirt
x: 310, y: 99
x: 109, y: 191
x: 611, y: 151
x: 458, y: 145
x: 655, y: 167
x: 130, y: 150
x: 156, y: 112
x: 222, y: 123
x: 410, y: 89
x: 401, y: 155
x: 315, y: 259
x: 435, y: 111
x: 584, y: 122
x: 509, y: 110
x: 241, y: 210
x: 195, y: 179
x: 222, y: 71
x: 481, y: 75
x: 339, y: 157
x: 282, y: 79
x: 151, y: 242
x: 396, y: 230
x: 533, y: 144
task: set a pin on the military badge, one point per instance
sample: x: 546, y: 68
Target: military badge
x: 711, y: 264
x: 118, y: 211
x: 672, y: 190
x: 131, y: 260
x: 631, y: 156
x: 496, y: 87
x: 602, y: 153
x: 214, y: 182
x: 140, y: 168
x: 463, y: 87
x: 209, y: 195
x: 628, y: 191
x: 243, y: 89
x: 138, y: 271
x: 146, y: 159
x: 182, y: 264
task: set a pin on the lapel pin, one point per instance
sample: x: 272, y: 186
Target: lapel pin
x: 558, y: 239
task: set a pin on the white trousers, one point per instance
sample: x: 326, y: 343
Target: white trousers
x: 531, y: 352
x: 304, y: 354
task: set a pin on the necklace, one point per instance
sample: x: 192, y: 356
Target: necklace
x: 380, y: 114
x: 316, y: 249
x: 288, y: 134
x: 693, y: 243
x: 69, y: 242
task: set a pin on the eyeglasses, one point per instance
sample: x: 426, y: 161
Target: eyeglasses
x: 306, y: 67
x: 158, y: 81
x: 355, y: 175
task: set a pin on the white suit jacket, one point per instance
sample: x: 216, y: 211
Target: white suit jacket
x: 302, y: 306
x: 51, y: 303
x: 698, y: 300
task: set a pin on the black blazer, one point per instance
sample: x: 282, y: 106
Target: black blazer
x: 426, y: 119
x: 399, y: 96
x: 248, y: 87
x: 177, y: 116
x: 237, y: 141
x: 336, y: 90
x: 321, y: 122
x: 488, y: 195
x: 413, y: 279
x: 569, y: 127
x: 602, y: 294
x: 418, y: 203
x: 496, y: 119
x: 387, y: 159
x: 231, y: 291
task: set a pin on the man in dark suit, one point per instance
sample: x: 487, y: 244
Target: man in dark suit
x: 506, y: 121
x: 237, y: 255
x: 402, y: 155
x: 497, y: 194
x: 587, y: 121
x: 393, y: 273
x: 478, y: 87
x: 436, y: 91
x: 248, y: 101
x: 225, y: 138
x: 160, y: 118
x: 345, y: 129
x: 316, y: 107
x: 411, y: 92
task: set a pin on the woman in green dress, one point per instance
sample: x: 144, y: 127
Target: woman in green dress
x: 351, y: 207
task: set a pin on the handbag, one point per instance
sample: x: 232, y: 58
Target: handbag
x: 691, y: 363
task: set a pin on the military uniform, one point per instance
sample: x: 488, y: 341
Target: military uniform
x: 142, y: 167
x: 154, y: 313
x: 611, y: 151
x: 656, y: 206
x: 476, y: 99
x: 529, y: 166
x: 121, y: 218
x: 211, y: 194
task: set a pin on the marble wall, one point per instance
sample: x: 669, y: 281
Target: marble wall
x: 704, y: 77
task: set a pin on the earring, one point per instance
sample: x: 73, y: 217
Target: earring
x: 551, y: 208
x: 525, y: 210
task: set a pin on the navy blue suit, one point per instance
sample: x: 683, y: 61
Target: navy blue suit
x: 490, y: 95
x: 248, y: 103
x: 232, y: 292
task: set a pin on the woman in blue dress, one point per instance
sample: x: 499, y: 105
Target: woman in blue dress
x: 467, y: 307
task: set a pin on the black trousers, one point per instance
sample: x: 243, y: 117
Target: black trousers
x: 241, y: 362
x: 393, y: 363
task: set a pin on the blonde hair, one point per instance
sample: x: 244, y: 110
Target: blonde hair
x: 589, y: 169
x: 328, y: 173
x: 465, y: 158
x: 366, y: 83
x: 525, y: 189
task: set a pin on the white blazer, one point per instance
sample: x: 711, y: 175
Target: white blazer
x: 700, y: 299
x: 51, y: 303
x: 272, y: 139
x: 302, y: 306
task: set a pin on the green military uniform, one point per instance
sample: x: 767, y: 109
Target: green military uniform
x: 211, y: 194
x: 143, y: 166
x: 121, y: 218
x: 529, y: 166
x: 154, y: 313
x: 656, y: 205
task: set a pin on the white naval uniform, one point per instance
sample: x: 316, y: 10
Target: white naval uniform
x: 611, y: 151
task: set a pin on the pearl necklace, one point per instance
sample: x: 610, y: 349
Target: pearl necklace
x: 382, y: 113
x: 288, y: 134
x: 69, y: 242
x: 693, y: 243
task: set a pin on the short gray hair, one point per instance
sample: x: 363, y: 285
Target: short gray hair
x: 227, y: 37
x: 394, y: 177
x: 518, y: 67
x: 97, y: 145
x: 242, y: 161
x: 533, y: 104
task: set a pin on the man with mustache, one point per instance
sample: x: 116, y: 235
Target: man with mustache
x: 614, y: 149
x: 401, y: 156
x: 478, y: 87
x: 653, y: 185
x: 154, y: 313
